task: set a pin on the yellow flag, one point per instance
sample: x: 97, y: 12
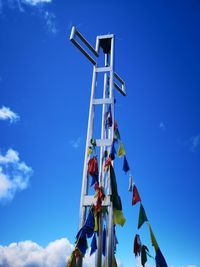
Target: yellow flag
x: 95, y: 223
x: 153, y: 239
x: 118, y: 217
x: 89, y: 152
x: 121, y: 150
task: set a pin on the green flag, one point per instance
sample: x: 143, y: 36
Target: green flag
x: 115, y: 198
x: 142, y: 216
x: 72, y: 260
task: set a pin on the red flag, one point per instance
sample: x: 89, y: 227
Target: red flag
x: 136, y: 197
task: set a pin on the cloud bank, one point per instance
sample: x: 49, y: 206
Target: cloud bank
x: 14, y: 175
x: 30, y: 254
x: 8, y: 114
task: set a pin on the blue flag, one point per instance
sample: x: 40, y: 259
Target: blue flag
x: 104, y: 242
x: 160, y: 260
x: 93, y: 244
x: 125, y: 165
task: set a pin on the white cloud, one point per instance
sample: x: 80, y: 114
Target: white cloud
x: 8, y: 114
x: 162, y: 126
x: 14, y: 175
x: 50, y: 20
x: 76, y: 143
x: 30, y: 254
x: 35, y: 2
x: 194, y: 142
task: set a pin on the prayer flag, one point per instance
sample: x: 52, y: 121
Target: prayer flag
x: 115, y: 198
x: 82, y: 243
x: 93, y: 244
x: 118, y: 217
x: 126, y: 167
x: 136, y: 197
x: 142, y: 216
x: 72, y: 260
x: 130, y: 187
x: 113, y: 150
x: 153, y: 239
x: 117, y: 134
x: 96, y: 227
x: 137, y: 245
x: 144, y: 250
x: 160, y: 260
x: 89, y: 224
x: 121, y: 150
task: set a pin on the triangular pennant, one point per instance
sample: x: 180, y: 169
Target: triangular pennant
x: 126, y: 167
x: 104, y: 242
x: 118, y: 217
x: 93, y: 244
x: 144, y: 251
x: 130, y: 186
x: 137, y: 245
x: 153, y: 239
x: 136, y: 197
x: 142, y: 216
x: 160, y: 260
x: 117, y: 134
x: 121, y: 150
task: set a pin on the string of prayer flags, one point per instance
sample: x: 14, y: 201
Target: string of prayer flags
x: 153, y: 239
x: 160, y: 260
x: 144, y: 251
x: 142, y: 216
x: 136, y: 197
x: 137, y: 245
x: 104, y: 242
x: 93, y: 244
x: 121, y: 151
x: 109, y: 117
x: 130, y: 187
x: 126, y: 167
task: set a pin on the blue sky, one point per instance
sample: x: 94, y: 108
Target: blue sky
x: 44, y: 98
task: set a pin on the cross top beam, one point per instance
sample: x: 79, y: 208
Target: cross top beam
x: 102, y: 41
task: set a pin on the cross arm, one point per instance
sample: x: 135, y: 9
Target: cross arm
x: 76, y: 37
